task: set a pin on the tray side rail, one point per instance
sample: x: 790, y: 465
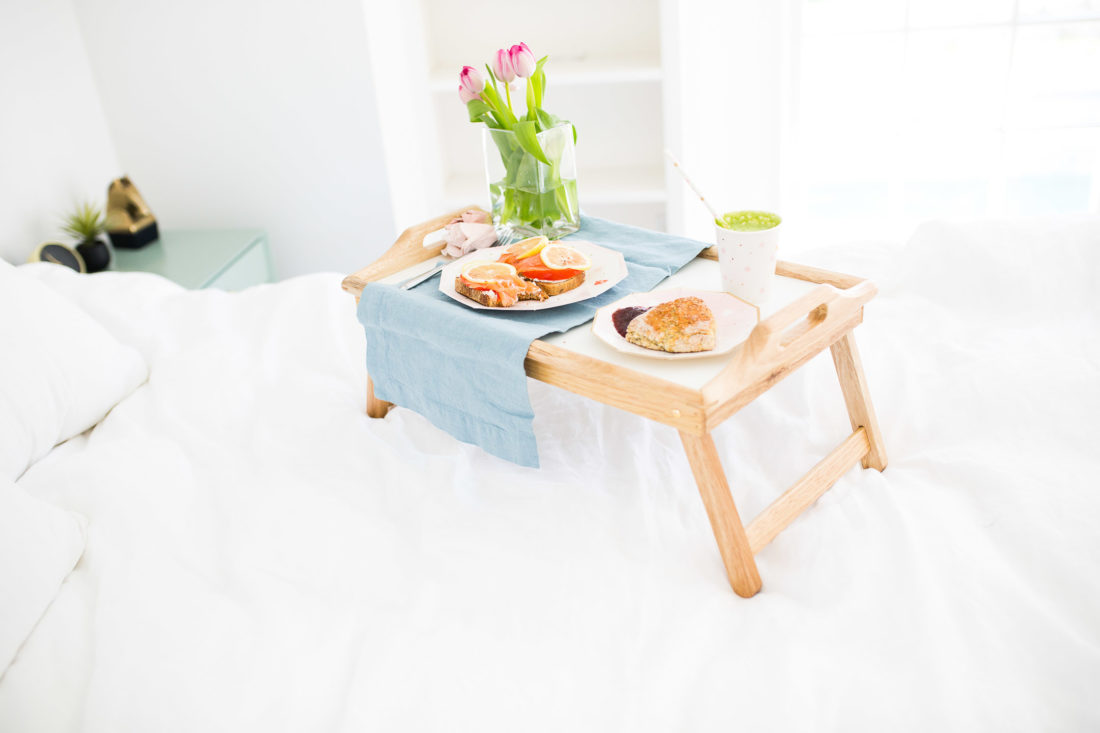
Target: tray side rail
x: 783, y: 342
x: 801, y: 272
x: 641, y: 394
x: 407, y: 251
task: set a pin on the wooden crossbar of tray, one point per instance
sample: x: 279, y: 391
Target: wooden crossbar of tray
x: 696, y: 401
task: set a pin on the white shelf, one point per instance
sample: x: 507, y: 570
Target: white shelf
x: 463, y: 190
x: 596, y: 188
x: 569, y: 31
x: 622, y: 186
x: 621, y: 127
x: 570, y: 75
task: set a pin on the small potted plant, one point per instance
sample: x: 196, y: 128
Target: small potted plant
x: 86, y: 224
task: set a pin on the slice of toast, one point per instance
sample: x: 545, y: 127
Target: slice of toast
x: 557, y: 287
x: 485, y: 297
x: 491, y: 300
x: 533, y: 292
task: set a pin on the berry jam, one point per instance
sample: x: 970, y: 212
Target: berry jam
x: 622, y: 317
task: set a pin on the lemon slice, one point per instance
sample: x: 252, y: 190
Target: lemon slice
x: 484, y: 272
x: 563, y: 257
x: 527, y: 248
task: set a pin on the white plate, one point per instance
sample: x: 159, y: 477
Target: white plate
x: 734, y: 320
x: 608, y: 269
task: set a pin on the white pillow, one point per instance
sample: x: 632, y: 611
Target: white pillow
x: 60, y: 371
x: 39, y: 546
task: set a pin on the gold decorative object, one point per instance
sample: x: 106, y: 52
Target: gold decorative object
x: 130, y: 223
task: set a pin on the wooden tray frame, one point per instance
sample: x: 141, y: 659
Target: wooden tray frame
x: 823, y: 317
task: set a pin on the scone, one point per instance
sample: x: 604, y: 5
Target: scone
x: 678, y: 326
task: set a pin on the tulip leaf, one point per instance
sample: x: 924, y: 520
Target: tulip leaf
x: 506, y: 117
x: 526, y: 170
x: 491, y: 96
x: 546, y: 120
x: 532, y: 107
x: 538, y: 81
x: 500, y: 110
x: 526, y: 133
x: 478, y: 110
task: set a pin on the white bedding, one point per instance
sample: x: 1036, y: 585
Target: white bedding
x: 262, y: 556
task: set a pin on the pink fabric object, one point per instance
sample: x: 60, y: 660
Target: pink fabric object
x: 473, y: 230
x: 475, y: 216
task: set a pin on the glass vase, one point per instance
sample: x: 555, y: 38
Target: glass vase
x: 529, y: 197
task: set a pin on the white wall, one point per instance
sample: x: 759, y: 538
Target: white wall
x: 725, y: 108
x: 55, y: 149
x: 239, y: 113
x: 398, y: 46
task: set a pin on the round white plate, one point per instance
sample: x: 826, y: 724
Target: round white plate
x: 608, y: 269
x: 734, y: 320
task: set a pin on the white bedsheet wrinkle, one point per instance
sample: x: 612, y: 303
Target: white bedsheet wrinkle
x: 39, y: 546
x: 263, y: 556
x: 60, y: 373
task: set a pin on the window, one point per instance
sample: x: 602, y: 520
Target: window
x: 906, y: 111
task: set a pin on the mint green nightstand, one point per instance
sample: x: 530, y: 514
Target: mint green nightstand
x: 228, y: 259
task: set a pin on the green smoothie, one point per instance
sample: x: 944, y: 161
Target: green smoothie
x: 748, y: 221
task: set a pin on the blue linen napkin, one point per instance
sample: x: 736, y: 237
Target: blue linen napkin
x: 462, y: 368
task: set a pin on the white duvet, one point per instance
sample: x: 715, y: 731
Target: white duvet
x: 262, y: 556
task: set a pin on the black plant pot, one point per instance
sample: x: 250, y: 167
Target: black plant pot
x: 96, y: 255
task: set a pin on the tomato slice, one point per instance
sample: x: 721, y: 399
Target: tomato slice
x: 545, y: 273
x: 535, y: 269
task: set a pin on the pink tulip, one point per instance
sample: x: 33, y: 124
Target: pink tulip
x: 466, y: 95
x: 471, y: 80
x: 523, y: 61
x: 502, y: 67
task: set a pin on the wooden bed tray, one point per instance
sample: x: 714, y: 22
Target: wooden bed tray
x: 811, y: 309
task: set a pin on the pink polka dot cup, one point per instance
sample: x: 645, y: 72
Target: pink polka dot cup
x: 748, y: 245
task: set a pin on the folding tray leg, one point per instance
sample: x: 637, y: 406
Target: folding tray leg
x: 857, y: 397
x: 733, y: 544
x: 375, y: 406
